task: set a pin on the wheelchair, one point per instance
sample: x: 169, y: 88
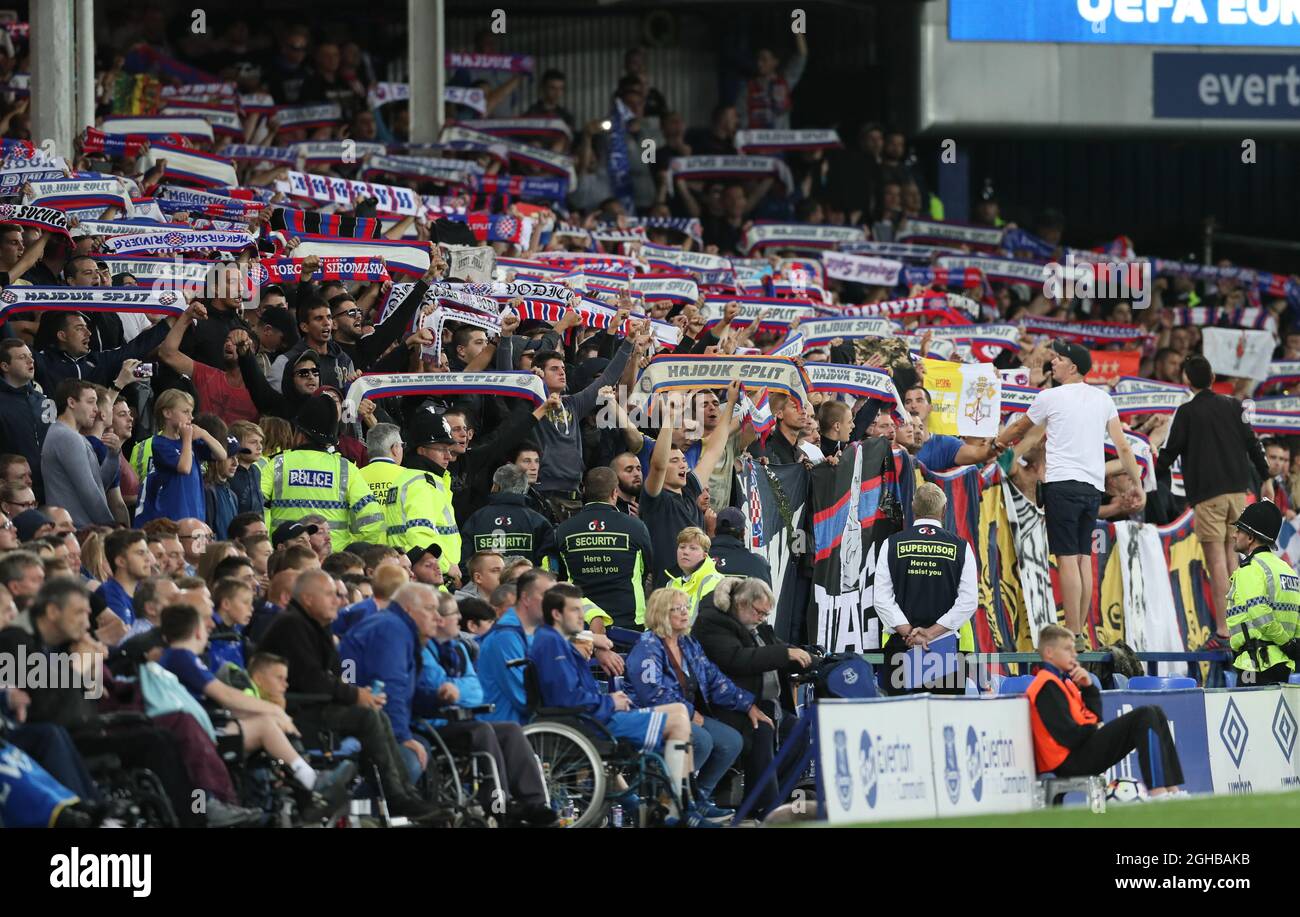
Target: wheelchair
x: 587, y: 770
x: 456, y: 781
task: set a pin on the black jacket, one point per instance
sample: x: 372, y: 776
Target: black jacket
x: 733, y: 649
x: 314, y: 663
x: 506, y: 525
x: 734, y: 559
x: 1217, y: 446
x: 22, y: 427
x: 100, y: 366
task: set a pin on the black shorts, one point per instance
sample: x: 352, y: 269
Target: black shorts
x: 1071, y: 508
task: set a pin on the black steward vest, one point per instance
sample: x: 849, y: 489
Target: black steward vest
x: 925, y: 564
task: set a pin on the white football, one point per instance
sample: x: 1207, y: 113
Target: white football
x: 1126, y: 790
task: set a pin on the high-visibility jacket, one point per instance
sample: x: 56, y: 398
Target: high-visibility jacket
x: 699, y: 584
x: 1049, y: 753
x: 407, y: 500
x: 142, y: 464
x: 305, y: 482
x: 441, y: 511
x: 1263, y: 612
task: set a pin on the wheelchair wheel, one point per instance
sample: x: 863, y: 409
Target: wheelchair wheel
x: 443, y: 779
x: 575, y: 773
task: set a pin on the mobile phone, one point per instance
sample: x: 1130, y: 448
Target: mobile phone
x: 143, y: 371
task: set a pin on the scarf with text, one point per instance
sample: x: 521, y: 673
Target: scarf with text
x: 678, y: 289
x: 335, y: 152
x: 936, y: 232
x: 866, y: 269
x: 544, y: 128
x: 1083, y: 332
x: 49, y: 218
x: 450, y: 171
x: 247, y: 152
x: 90, y: 299
x: 985, y: 341
x: 513, y: 384
x: 163, y: 273
x: 178, y: 239
x: 72, y: 195
x: 347, y: 192
x: 191, y: 166
x: 1151, y: 401
x: 774, y: 141
x: 741, y: 168
x: 671, y: 372
x: 1281, y: 372
x: 948, y: 307
x: 347, y: 270
x: 969, y: 278
x: 159, y: 127
x: 771, y: 314
x: 997, y: 270
x: 97, y: 143
x: 528, y: 187
x: 1263, y: 281
x: 222, y: 118
x: 899, y: 251
x: 509, y: 63
x: 820, y: 331
x: 306, y: 117
x: 856, y: 381
x: 401, y: 257
x: 815, y: 237
x: 1241, y: 317
x: 557, y: 163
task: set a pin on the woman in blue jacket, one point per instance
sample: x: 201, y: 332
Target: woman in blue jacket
x: 668, y: 666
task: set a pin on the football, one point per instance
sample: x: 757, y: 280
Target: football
x: 1125, y: 790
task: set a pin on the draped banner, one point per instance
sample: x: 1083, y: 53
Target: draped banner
x: 774, y: 499
x: 853, y: 514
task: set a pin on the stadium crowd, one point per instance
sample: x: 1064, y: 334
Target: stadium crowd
x: 199, y: 492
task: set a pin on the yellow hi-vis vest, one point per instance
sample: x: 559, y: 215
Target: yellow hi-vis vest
x: 1263, y: 612
x: 447, y: 535
x: 306, y: 482
x: 407, y: 500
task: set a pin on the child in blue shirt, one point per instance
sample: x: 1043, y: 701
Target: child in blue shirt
x: 174, y: 488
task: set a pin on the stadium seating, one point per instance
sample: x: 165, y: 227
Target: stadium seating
x: 1160, y: 683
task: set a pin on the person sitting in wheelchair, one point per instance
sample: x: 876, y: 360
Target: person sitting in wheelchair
x: 232, y: 603
x: 390, y: 646
x: 670, y: 667
x: 261, y: 725
x: 565, y: 680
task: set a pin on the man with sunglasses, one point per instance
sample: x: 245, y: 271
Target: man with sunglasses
x: 316, y: 323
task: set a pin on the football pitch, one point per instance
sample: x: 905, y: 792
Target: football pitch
x: 1266, y: 810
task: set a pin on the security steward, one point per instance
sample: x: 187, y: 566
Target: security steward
x: 1263, y: 601
x: 728, y: 550
x: 506, y: 524
x: 311, y: 479
x: 404, y: 494
x: 607, y: 553
x: 1065, y: 713
x: 925, y: 590
x: 429, y: 440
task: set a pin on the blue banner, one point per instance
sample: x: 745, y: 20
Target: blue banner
x: 1254, y: 86
x: 1186, y: 712
x: 1239, y: 23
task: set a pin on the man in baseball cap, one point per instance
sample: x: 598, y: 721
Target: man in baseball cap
x: 425, y: 566
x: 292, y: 533
x: 1075, y: 353
x: 729, y: 552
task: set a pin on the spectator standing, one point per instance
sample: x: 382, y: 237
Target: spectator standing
x: 1077, y: 417
x: 72, y: 476
x: 766, y: 100
x: 1212, y: 436
x: 1264, y: 614
x: 23, y: 420
x: 174, y: 488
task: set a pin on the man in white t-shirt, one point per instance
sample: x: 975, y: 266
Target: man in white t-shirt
x: 1077, y: 417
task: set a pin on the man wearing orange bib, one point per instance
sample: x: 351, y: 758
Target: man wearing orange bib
x: 1065, y: 710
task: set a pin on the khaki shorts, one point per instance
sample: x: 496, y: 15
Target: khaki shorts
x: 1212, y: 517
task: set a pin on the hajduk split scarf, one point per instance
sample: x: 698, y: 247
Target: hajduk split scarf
x: 899, y: 251
x: 476, y: 297
x: 159, y: 127
x: 528, y: 187
x: 948, y: 307
x: 1151, y: 401
x: 672, y: 258
x: 335, y: 152
x: 1267, y: 424
x: 1241, y: 317
x: 1267, y: 283
x: 998, y: 270
x: 1280, y: 372
x: 513, y: 384
x: 580, y: 261
x: 49, y: 218
x: 819, y: 331
x: 180, y: 239
x: 772, y: 314
x: 740, y: 168
x: 223, y: 119
x: 678, y: 289
x: 227, y: 92
x: 689, y: 227
x: 384, y: 93
x: 163, y: 273
x: 545, y: 128
x: 1016, y: 399
x: 935, y: 232
x: 799, y: 236
x: 307, y: 117
x: 191, y: 166
x: 246, y: 152
x: 90, y: 299
x: 347, y: 270
x: 866, y: 269
x: 450, y: 171
x: 97, y: 143
x: 671, y: 372
x: 74, y: 195
x: 1280, y: 405
x: 970, y: 278
x: 123, y: 227
x: 331, y: 189
x: 986, y: 341
x: 1083, y: 332
x: 858, y: 381
x: 772, y: 141
x: 400, y: 256
x: 1129, y: 384
x: 472, y: 60
x: 524, y: 268
x: 558, y: 163
x: 312, y: 222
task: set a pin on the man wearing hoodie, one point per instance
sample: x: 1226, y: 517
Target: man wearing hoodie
x: 23, y: 417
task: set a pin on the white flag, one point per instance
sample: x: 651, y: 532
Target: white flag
x: 1238, y: 353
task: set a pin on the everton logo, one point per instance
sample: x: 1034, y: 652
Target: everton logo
x: 867, y: 769
x: 974, y: 764
x: 951, y: 773
x: 843, y: 779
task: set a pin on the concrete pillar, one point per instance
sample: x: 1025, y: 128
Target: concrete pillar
x: 52, y: 86
x: 426, y: 63
x: 85, y: 65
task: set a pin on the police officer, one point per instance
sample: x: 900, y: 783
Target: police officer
x: 404, y: 495
x: 429, y: 440
x: 607, y: 553
x: 506, y: 524
x: 310, y: 480
x: 1263, y: 600
x: 925, y: 590
x: 728, y: 550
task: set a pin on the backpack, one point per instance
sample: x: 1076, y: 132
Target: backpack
x: 1123, y: 661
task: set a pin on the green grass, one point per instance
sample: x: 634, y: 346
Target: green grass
x: 1268, y: 810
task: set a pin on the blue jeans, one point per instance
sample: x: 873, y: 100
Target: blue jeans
x: 412, y: 761
x: 717, y: 745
